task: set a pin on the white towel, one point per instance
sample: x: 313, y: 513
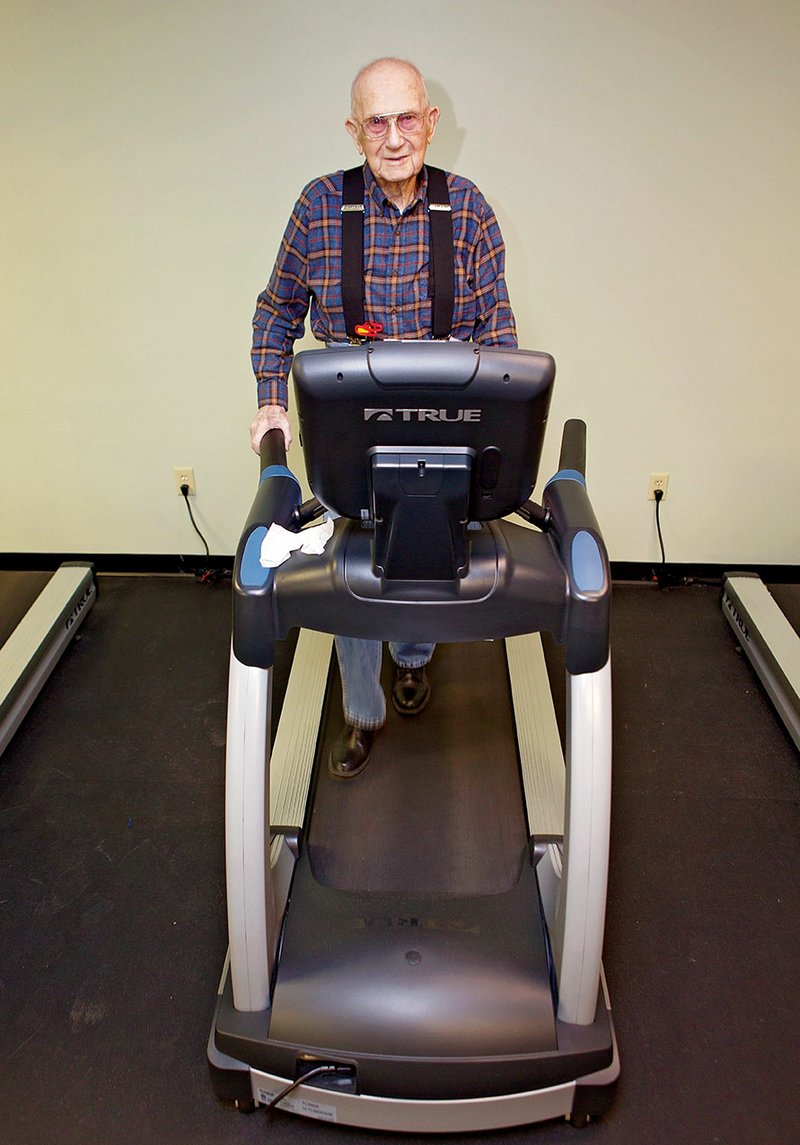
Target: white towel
x: 280, y: 543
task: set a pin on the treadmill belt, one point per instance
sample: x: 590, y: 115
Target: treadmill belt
x: 439, y: 809
x: 413, y: 928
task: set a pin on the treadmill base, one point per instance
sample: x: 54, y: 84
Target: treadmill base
x: 578, y: 1100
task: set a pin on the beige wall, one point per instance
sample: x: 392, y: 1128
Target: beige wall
x: 642, y: 158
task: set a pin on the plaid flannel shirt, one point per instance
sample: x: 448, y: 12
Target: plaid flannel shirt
x: 396, y: 257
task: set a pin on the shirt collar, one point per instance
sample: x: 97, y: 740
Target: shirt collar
x: 379, y: 198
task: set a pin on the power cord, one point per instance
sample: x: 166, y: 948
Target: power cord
x: 344, y: 1071
x: 674, y: 579
x: 185, y: 494
x: 659, y: 496
x: 206, y: 575
x: 661, y: 576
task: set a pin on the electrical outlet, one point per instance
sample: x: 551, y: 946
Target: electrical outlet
x: 658, y: 481
x: 184, y: 475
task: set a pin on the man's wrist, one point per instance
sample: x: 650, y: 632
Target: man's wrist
x: 272, y: 391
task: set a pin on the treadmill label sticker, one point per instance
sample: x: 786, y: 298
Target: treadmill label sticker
x: 301, y: 1105
x: 79, y: 607
x: 411, y: 922
x: 405, y: 413
x: 737, y: 618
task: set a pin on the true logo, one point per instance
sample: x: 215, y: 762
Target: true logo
x: 737, y: 616
x: 73, y: 616
x: 406, y: 413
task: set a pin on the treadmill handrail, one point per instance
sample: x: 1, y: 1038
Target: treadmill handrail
x: 272, y: 449
x: 573, y: 446
x: 574, y: 530
x: 276, y: 502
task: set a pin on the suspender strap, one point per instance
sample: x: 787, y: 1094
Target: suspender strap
x: 353, y: 249
x: 442, y: 258
x: 442, y: 268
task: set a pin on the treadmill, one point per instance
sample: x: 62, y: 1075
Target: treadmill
x: 40, y: 613
x: 418, y: 949
x: 766, y: 621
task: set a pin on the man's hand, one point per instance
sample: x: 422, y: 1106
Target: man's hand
x: 269, y: 417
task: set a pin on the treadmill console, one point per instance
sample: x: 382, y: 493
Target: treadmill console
x: 417, y: 439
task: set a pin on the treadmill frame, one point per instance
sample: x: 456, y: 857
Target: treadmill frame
x: 570, y: 820
x: 39, y: 640
x: 520, y: 582
x: 769, y: 642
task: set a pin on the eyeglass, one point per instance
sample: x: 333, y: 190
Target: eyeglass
x: 408, y: 122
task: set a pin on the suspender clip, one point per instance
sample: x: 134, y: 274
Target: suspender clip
x: 368, y: 331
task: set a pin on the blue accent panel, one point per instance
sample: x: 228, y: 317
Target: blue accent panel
x: 251, y: 572
x: 277, y: 471
x: 568, y: 475
x: 587, y: 563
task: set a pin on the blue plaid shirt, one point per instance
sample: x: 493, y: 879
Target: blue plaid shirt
x: 396, y: 258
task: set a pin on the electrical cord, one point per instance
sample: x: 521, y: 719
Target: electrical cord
x: 185, y: 493
x: 659, y: 496
x: 316, y: 1072
x: 206, y: 575
x: 662, y: 575
x: 673, y: 579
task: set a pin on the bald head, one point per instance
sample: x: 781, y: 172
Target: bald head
x: 378, y: 72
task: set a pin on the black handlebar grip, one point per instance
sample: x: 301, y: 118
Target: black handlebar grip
x: 273, y: 449
x: 573, y: 446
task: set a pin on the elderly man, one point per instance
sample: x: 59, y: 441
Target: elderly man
x: 391, y: 124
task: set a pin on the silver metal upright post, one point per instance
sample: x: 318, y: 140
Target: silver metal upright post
x: 251, y: 914
x: 578, y: 938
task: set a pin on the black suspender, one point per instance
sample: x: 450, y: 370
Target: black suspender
x: 353, y: 249
x: 442, y: 270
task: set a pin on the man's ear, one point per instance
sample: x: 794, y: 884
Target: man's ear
x: 433, y: 119
x: 354, y: 132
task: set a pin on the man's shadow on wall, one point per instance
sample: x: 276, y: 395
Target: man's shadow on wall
x: 449, y: 136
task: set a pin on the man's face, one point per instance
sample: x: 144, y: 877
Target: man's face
x: 396, y: 159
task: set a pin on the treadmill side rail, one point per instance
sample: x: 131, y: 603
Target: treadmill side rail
x: 540, y: 754
x: 296, y: 737
x: 769, y: 641
x: 33, y: 649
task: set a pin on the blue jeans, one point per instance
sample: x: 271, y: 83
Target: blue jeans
x: 360, y: 668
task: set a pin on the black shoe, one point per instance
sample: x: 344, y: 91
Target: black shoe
x: 411, y: 690
x: 350, y: 754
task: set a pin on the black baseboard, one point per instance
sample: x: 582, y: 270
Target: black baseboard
x: 668, y: 575
x: 673, y: 575
x: 142, y: 563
